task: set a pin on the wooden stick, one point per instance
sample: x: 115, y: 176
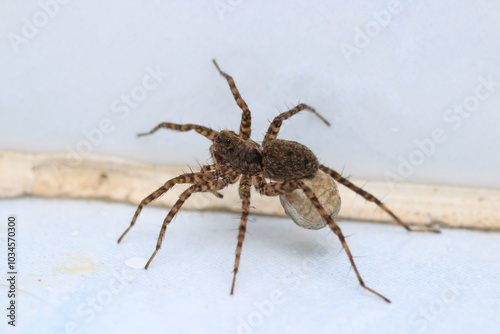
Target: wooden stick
x: 121, y: 180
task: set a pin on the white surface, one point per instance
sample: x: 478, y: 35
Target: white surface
x: 66, y: 78
x: 68, y: 256
x: 66, y: 75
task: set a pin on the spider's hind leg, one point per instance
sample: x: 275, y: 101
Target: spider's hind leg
x: 369, y: 197
x: 277, y: 188
x: 275, y: 126
x: 338, y: 232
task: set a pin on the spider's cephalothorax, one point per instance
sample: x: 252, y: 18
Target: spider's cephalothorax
x: 290, y: 166
x: 244, y: 155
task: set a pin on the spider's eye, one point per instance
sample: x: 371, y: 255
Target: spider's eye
x: 228, y: 141
x: 217, y: 139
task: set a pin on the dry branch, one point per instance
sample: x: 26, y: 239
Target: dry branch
x: 120, y: 180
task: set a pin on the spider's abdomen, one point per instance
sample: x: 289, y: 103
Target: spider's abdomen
x: 288, y: 160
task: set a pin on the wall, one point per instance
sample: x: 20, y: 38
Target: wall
x: 412, y: 88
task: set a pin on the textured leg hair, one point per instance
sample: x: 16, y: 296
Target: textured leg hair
x: 369, y: 197
x: 245, y: 197
x: 275, y: 126
x: 246, y: 117
x: 203, y: 130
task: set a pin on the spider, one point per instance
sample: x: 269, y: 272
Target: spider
x: 236, y: 157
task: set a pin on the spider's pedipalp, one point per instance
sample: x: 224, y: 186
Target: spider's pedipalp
x: 369, y: 197
x: 217, y: 194
x: 245, y: 184
x: 246, y: 117
x: 203, y: 130
x: 275, y: 126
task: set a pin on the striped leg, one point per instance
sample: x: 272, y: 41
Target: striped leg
x: 369, y: 197
x: 185, y: 178
x: 276, y: 188
x: 246, y: 117
x: 245, y: 197
x: 274, y: 128
x: 203, y: 130
x: 338, y: 232
x: 212, y: 185
x: 213, y: 167
x: 273, y: 188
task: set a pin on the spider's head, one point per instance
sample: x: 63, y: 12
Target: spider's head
x: 243, y: 154
x: 225, y: 145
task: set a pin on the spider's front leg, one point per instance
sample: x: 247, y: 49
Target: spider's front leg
x: 203, y: 130
x: 278, y: 188
x: 369, y: 197
x: 203, y: 176
x: 206, y: 186
x: 245, y: 184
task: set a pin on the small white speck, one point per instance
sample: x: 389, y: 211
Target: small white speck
x: 75, y: 233
x: 395, y: 129
x: 136, y: 262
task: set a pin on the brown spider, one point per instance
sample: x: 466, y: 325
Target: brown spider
x: 238, y: 158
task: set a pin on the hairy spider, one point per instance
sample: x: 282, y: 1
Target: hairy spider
x: 287, y: 164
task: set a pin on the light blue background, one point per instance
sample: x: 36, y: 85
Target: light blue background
x: 418, y: 63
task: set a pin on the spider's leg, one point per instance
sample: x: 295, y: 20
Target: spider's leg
x: 274, y: 128
x: 245, y: 197
x: 208, y: 168
x: 277, y: 188
x: 246, y: 117
x: 217, y: 194
x: 212, y: 185
x: 185, y: 178
x: 203, y: 130
x: 338, y: 232
x: 273, y: 188
x: 369, y: 197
